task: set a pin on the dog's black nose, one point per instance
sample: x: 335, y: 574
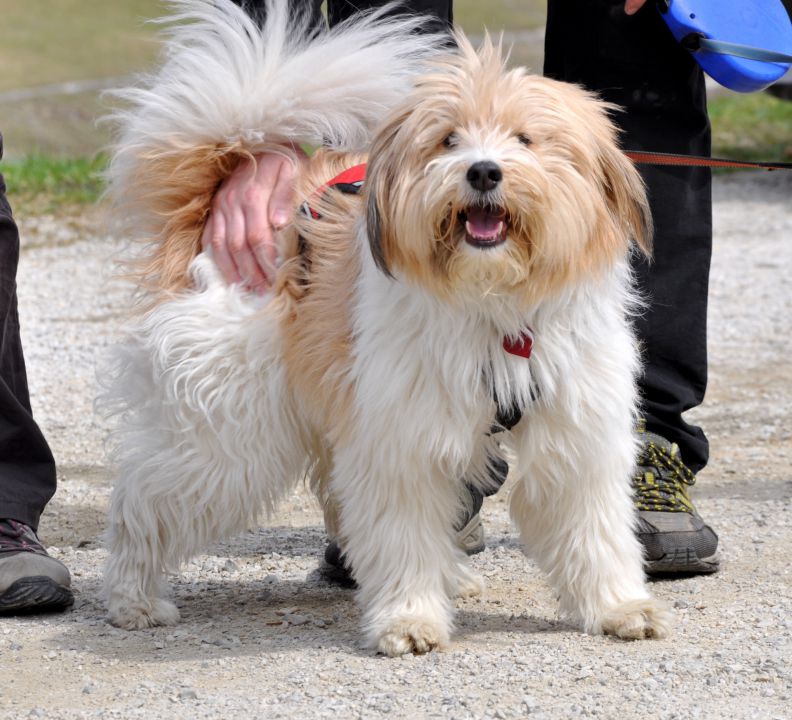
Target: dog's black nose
x: 484, y: 175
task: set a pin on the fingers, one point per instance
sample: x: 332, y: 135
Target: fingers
x: 282, y: 197
x: 279, y: 209
x: 633, y: 6
x: 237, y: 210
x: 214, y: 239
x: 254, y: 201
x: 257, y: 210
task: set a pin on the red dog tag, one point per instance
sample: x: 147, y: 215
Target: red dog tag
x: 522, y: 346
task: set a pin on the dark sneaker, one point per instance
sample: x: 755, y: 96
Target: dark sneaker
x: 470, y: 539
x: 336, y: 569
x: 675, y: 538
x: 30, y: 580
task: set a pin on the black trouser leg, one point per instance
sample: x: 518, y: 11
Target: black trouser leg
x: 257, y: 9
x: 340, y: 10
x: 635, y: 63
x: 27, y: 468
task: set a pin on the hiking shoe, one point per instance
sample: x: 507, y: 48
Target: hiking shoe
x: 675, y: 538
x: 336, y: 569
x: 30, y: 580
x: 471, y: 537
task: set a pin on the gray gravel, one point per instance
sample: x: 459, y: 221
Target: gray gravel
x: 263, y: 636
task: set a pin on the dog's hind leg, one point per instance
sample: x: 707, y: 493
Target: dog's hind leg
x: 209, y: 439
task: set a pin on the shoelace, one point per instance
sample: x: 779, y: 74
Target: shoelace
x: 662, y: 480
x: 18, y: 537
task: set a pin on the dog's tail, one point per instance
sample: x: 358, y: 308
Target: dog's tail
x: 229, y: 88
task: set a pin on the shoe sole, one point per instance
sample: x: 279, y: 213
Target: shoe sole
x: 683, y: 561
x: 35, y: 594
x: 470, y: 539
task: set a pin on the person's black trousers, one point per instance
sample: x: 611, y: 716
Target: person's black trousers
x: 340, y: 10
x: 635, y: 63
x: 27, y: 468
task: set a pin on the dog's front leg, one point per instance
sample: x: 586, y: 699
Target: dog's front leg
x: 397, y: 513
x: 574, y: 509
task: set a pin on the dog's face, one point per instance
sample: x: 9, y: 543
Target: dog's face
x: 488, y: 180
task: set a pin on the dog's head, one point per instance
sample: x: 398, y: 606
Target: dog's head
x: 492, y: 180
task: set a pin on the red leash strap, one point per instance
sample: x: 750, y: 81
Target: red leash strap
x: 657, y: 158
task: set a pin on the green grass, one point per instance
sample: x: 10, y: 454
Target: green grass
x: 44, y: 184
x: 751, y: 127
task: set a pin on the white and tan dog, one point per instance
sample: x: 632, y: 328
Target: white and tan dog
x: 497, y: 204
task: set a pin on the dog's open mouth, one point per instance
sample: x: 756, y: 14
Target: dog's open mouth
x: 485, y: 225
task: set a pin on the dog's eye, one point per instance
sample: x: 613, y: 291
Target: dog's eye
x: 450, y: 140
x: 524, y: 139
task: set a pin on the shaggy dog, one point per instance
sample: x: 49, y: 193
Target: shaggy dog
x: 497, y: 213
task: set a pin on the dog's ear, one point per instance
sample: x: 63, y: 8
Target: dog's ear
x: 625, y: 195
x: 375, y: 229
x: 592, y: 140
x: 388, y: 153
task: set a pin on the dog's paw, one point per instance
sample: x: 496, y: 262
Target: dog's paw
x: 139, y: 615
x: 639, y: 619
x: 411, y: 635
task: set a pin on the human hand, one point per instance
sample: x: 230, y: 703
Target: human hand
x: 633, y: 6
x: 251, y: 204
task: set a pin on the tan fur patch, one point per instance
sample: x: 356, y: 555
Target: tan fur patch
x: 321, y: 279
x: 176, y: 188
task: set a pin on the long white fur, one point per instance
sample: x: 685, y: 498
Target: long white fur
x: 211, y: 433
x: 195, y: 383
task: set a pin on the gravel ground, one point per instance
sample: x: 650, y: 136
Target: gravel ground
x: 264, y: 636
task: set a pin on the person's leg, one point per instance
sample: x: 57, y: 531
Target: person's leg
x: 440, y: 11
x: 635, y: 63
x: 29, y: 579
x: 27, y: 468
x: 257, y: 9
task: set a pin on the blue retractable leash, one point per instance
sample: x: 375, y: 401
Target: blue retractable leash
x: 745, y: 45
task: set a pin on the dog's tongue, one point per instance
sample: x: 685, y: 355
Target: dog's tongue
x: 481, y: 223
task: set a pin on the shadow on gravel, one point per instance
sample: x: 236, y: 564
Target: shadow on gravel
x: 259, y: 617
x: 218, y: 620
x: 256, y: 618
x: 469, y: 624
